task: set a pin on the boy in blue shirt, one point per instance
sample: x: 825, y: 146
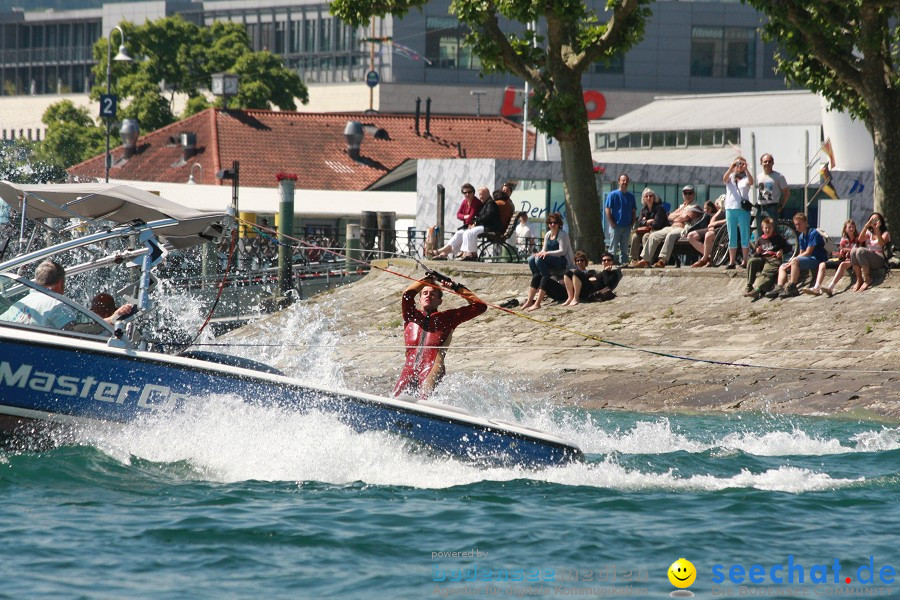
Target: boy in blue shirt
x: 812, y: 252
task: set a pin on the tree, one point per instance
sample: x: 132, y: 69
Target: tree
x: 72, y: 135
x: 847, y: 51
x: 552, y: 63
x: 175, y: 56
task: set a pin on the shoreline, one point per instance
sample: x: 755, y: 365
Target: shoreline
x: 817, y: 354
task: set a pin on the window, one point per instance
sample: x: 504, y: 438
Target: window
x: 325, y: 34
x: 723, y: 52
x: 613, y: 65
x: 445, y: 47
x: 309, y: 36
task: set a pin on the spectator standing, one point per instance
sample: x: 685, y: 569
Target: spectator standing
x: 737, y: 209
x: 774, y: 192
x: 621, y: 211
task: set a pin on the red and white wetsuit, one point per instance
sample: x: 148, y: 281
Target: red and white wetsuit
x: 426, y: 337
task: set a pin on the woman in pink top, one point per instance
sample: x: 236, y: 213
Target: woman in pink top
x: 470, y: 206
x: 849, y: 241
x: 870, y: 253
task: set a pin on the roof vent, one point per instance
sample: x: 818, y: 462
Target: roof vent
x: 188, y: 145
x: 129, y: 133
x: 353, y: 133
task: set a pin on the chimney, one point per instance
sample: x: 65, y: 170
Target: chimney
x: 353, y: 133
x: 188, y: 145
x: 129, y: 133
x: 418, y: 113
x: 428, y: 116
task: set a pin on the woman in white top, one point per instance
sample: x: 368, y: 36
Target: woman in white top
x: 738, y: 182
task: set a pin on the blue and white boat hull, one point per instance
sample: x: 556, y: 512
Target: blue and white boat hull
x: 51, y: 379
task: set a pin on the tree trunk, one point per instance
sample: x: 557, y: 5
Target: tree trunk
x: 886, y: 137
x: 582, y: 200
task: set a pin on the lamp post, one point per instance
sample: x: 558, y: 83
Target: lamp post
x: 108, y: 103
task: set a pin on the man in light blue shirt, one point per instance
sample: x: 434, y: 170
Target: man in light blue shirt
x: 621, y: 212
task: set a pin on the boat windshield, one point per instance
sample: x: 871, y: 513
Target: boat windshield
x: 26, y: 304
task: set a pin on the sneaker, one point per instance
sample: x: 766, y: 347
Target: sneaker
x: 774, y: 292
x: 812, y: 291
x: 660, y: 264
x: 748, y: 289
x: 639, y: 264
x: 731, y: 267
x: 751, y: 293
x: 828, y: 291
x: 789, y: 292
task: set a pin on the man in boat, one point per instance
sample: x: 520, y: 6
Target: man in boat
x: 427, y: 333
x: 38, y: 308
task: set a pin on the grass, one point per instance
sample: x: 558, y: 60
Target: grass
x: 390, y: 324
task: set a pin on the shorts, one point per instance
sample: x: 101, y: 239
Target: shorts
x: 807, y: 263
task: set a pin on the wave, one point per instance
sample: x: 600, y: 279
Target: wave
x: 226, y: 440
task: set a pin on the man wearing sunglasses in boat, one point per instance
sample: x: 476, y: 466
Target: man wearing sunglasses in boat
x: 427, y: 333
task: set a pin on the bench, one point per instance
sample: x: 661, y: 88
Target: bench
x: 495, y: 247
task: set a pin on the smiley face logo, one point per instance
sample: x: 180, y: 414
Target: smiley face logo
x: 682, y: 573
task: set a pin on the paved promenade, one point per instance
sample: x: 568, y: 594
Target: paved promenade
x: 815, y: 355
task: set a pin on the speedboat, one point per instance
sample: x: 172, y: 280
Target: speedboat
x: 87, y: 370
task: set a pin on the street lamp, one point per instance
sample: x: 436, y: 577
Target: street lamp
x: 108, y: 105
x: 191, y: 179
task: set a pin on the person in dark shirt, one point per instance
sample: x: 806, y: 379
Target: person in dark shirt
x: 762, y: 268
x: 653, y: 218
x: 588, y: 286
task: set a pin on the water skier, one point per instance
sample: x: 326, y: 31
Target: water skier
x: 427, y: 333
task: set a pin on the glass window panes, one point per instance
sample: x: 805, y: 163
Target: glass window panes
x: 723, y: 52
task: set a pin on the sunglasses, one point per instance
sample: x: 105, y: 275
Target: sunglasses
x: 553, y: 223
x: 687, y: 193
x: 604, y: 260
x: 467, y: 191
x: 584, y: 260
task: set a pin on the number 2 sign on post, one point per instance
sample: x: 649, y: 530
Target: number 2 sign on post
x: 108, y: 106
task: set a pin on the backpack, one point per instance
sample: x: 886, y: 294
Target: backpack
x: 829, y: 243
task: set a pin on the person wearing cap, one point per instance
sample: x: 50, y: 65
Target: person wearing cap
x: 680, y: 221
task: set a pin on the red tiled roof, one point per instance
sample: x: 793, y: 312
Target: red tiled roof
x: 312, y: 145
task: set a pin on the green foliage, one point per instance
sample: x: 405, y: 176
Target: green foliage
x: 72, y: 135
x: 265, y: 80
x: 826, y: 46
x: 175, y: 56
x: 151, y: 110
x: 195, y: 104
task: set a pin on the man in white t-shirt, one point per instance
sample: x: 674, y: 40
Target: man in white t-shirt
x: 41, y: 309
x: 773, y: 188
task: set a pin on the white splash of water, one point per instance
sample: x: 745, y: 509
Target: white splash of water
x: 224, y: 439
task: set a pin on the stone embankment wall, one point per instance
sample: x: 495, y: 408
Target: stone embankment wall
x: 811, y: 355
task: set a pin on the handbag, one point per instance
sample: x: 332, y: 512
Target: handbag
x: 746, y: 205
x: 640, y: 231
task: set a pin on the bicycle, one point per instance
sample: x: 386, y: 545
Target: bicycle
x: 720, y: 243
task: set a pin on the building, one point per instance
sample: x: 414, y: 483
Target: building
x: 689, y: 47
x: 691, y: 139
x: 333, y: 153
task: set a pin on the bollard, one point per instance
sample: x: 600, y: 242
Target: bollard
x: 352, y: 247
x: 286, y: 228
x: 368, y: 230
x: 387, y: 236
